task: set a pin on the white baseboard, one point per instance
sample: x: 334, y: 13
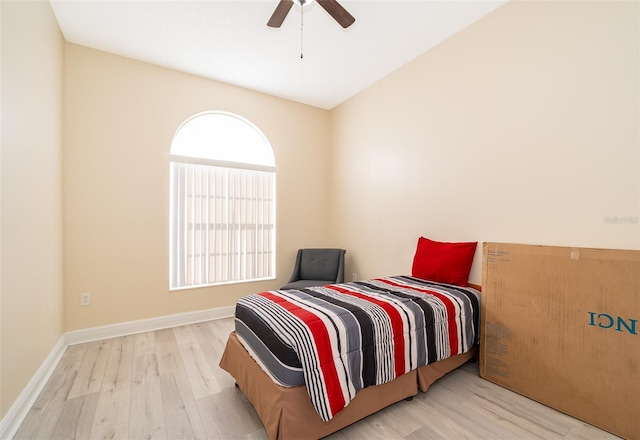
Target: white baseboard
x: 146, y: 325
x: 15, y: 416
x: 20, y: 408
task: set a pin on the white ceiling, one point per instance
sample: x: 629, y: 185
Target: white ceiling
x: 229, y: 41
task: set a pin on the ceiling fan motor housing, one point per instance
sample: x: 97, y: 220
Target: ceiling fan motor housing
x: 334, y: 9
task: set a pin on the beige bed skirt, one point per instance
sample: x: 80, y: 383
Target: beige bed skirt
x: 287, y: 413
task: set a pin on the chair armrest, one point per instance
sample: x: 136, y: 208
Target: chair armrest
x: 340, y: 277
x: 295, y: 275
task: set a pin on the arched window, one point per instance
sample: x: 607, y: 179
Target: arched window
x: 222, y: 202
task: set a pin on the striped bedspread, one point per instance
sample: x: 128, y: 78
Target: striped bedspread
x: 342, y: 338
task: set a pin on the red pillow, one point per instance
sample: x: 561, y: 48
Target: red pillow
x: 443, y: 262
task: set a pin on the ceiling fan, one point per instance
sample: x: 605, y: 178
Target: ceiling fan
x: 334, y: 9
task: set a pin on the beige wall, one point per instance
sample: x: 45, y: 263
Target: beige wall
x: 523, y: 127
x: 120, y: 116
x: 31, y: 315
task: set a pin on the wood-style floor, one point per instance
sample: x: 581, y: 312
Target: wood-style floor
x: 167, y: 384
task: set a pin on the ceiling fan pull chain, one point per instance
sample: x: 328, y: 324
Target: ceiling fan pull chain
x: 301, y: 28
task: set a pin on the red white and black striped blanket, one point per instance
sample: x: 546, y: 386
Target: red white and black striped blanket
x: 346, y: 337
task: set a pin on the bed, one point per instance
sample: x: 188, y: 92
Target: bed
x: 288, y: 410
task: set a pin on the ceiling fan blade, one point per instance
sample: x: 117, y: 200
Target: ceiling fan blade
x: 280, y: 13
x: 339, y: 13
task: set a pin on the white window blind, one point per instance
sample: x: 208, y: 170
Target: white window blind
x: 222, y: 225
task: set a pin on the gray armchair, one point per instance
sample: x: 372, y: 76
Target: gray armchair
x: 317, y: 267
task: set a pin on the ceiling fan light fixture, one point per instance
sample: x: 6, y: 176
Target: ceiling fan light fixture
x: 302, y: 2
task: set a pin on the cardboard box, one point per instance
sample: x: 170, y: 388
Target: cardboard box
x: 561, y: 326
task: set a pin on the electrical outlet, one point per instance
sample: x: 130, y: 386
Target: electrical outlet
x: 85, y: 299
x: 354, y: 277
